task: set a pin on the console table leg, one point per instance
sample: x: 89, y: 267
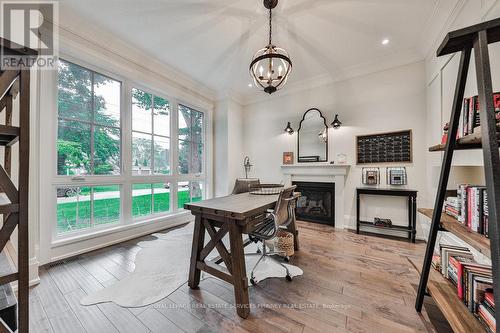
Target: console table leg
x: 414, y: 220
x: 357, y: 213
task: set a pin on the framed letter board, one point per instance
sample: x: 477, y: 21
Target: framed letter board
x: 393, y: 147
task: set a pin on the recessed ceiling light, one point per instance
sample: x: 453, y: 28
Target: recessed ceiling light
x: 250, y: 85
x: 385, y: 41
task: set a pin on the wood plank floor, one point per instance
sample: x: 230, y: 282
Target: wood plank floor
x: 351, y: 283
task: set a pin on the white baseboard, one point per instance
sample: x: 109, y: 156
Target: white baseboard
x: 72, y: 250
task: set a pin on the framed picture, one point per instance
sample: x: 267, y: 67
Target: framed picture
x: 288, y: 157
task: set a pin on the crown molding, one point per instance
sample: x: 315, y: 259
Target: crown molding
x: 430, y: 45
x: 72, y: 26
x: 487, y: 7
x: 230, y: 94
x: 396, y: 59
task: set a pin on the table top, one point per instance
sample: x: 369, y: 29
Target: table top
x: 237, y: 206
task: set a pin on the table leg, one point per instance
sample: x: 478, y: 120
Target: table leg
x: 239, y: 274
x: 198, y: 242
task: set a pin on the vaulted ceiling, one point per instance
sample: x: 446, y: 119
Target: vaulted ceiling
x: 213, y: 41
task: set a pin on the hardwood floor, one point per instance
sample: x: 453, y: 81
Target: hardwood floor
x: 351, y: 283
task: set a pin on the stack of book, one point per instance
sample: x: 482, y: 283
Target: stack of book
x: 473, y: 207
x: 470, y: 115
x: 486, y: 311
x: 452, y: 206
x: 473, y: 281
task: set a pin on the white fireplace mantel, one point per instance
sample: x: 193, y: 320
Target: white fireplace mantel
x: 322, y: 173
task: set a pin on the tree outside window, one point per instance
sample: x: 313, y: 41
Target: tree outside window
x: 150, y: 134
x: 89, y: 134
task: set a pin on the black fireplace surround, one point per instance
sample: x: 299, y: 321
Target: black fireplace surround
x: 317, y: 203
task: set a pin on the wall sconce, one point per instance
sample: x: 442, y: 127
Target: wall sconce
x: 336, y: 122
x: 289, y: 129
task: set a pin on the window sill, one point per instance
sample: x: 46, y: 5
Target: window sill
x: 161, y: 220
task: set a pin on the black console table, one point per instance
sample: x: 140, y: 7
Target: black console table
x: 412, y: 209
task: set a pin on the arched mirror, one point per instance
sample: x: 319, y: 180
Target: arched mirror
x: 312, y: 139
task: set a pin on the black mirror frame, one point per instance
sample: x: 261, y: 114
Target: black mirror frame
x: 298, y: 136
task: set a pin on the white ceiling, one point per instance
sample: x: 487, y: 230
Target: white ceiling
x: 213, y: 41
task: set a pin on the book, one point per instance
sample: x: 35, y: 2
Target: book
x: 470, y: 273
x: 489, y: 299
x: 487, y: 318
x: 462, y: 195
x: 456, y: 265
x: 445, y: 255
x: 436, y: 262
x: 462, y: 277
x: 479, y: 286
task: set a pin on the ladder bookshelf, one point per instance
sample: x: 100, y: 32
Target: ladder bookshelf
x: 477, y: 38
x: 15, y: 85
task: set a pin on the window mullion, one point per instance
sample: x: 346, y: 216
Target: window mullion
x: 152, y: 135
x: 174, y: 154
x: 92, y: 120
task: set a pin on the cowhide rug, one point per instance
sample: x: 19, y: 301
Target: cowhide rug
x: 162, y: 266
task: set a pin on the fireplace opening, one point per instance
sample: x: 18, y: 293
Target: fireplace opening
x: 317, y: 203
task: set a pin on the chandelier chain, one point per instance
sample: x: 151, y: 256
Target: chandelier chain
x: 270, y: 26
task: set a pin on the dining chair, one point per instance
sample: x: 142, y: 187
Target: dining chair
x: 266, y: 230
x: 242, y: 185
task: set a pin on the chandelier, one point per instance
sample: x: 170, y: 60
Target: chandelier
x: 271, y: 66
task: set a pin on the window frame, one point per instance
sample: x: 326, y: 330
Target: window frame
x: 125, y: 179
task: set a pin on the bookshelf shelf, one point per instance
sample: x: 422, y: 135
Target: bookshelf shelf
x: 471, y: 141
x: 477, y: 241
x: 444, y: 294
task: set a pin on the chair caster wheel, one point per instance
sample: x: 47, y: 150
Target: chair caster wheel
x: 288, y: 277
x: 253, y: 282
x: 287, y: 259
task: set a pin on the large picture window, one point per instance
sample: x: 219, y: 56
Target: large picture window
x: 89, y: 134
x: 97, y: 185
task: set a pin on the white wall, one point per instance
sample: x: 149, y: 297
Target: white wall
x: 394, y: 99
x: 228, y: 145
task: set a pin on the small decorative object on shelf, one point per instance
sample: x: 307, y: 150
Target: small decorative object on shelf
x: 444, y: 138
x: 288, y: 157
x: 341, y: 158
x: 379, y: 222
x: 247, y: 165
x: 396, y: 176
x: 371, y: 176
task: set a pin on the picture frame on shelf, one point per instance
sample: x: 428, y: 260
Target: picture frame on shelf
x: 288, y: 158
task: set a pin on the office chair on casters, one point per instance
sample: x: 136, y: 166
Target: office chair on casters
x: 267, y: 229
